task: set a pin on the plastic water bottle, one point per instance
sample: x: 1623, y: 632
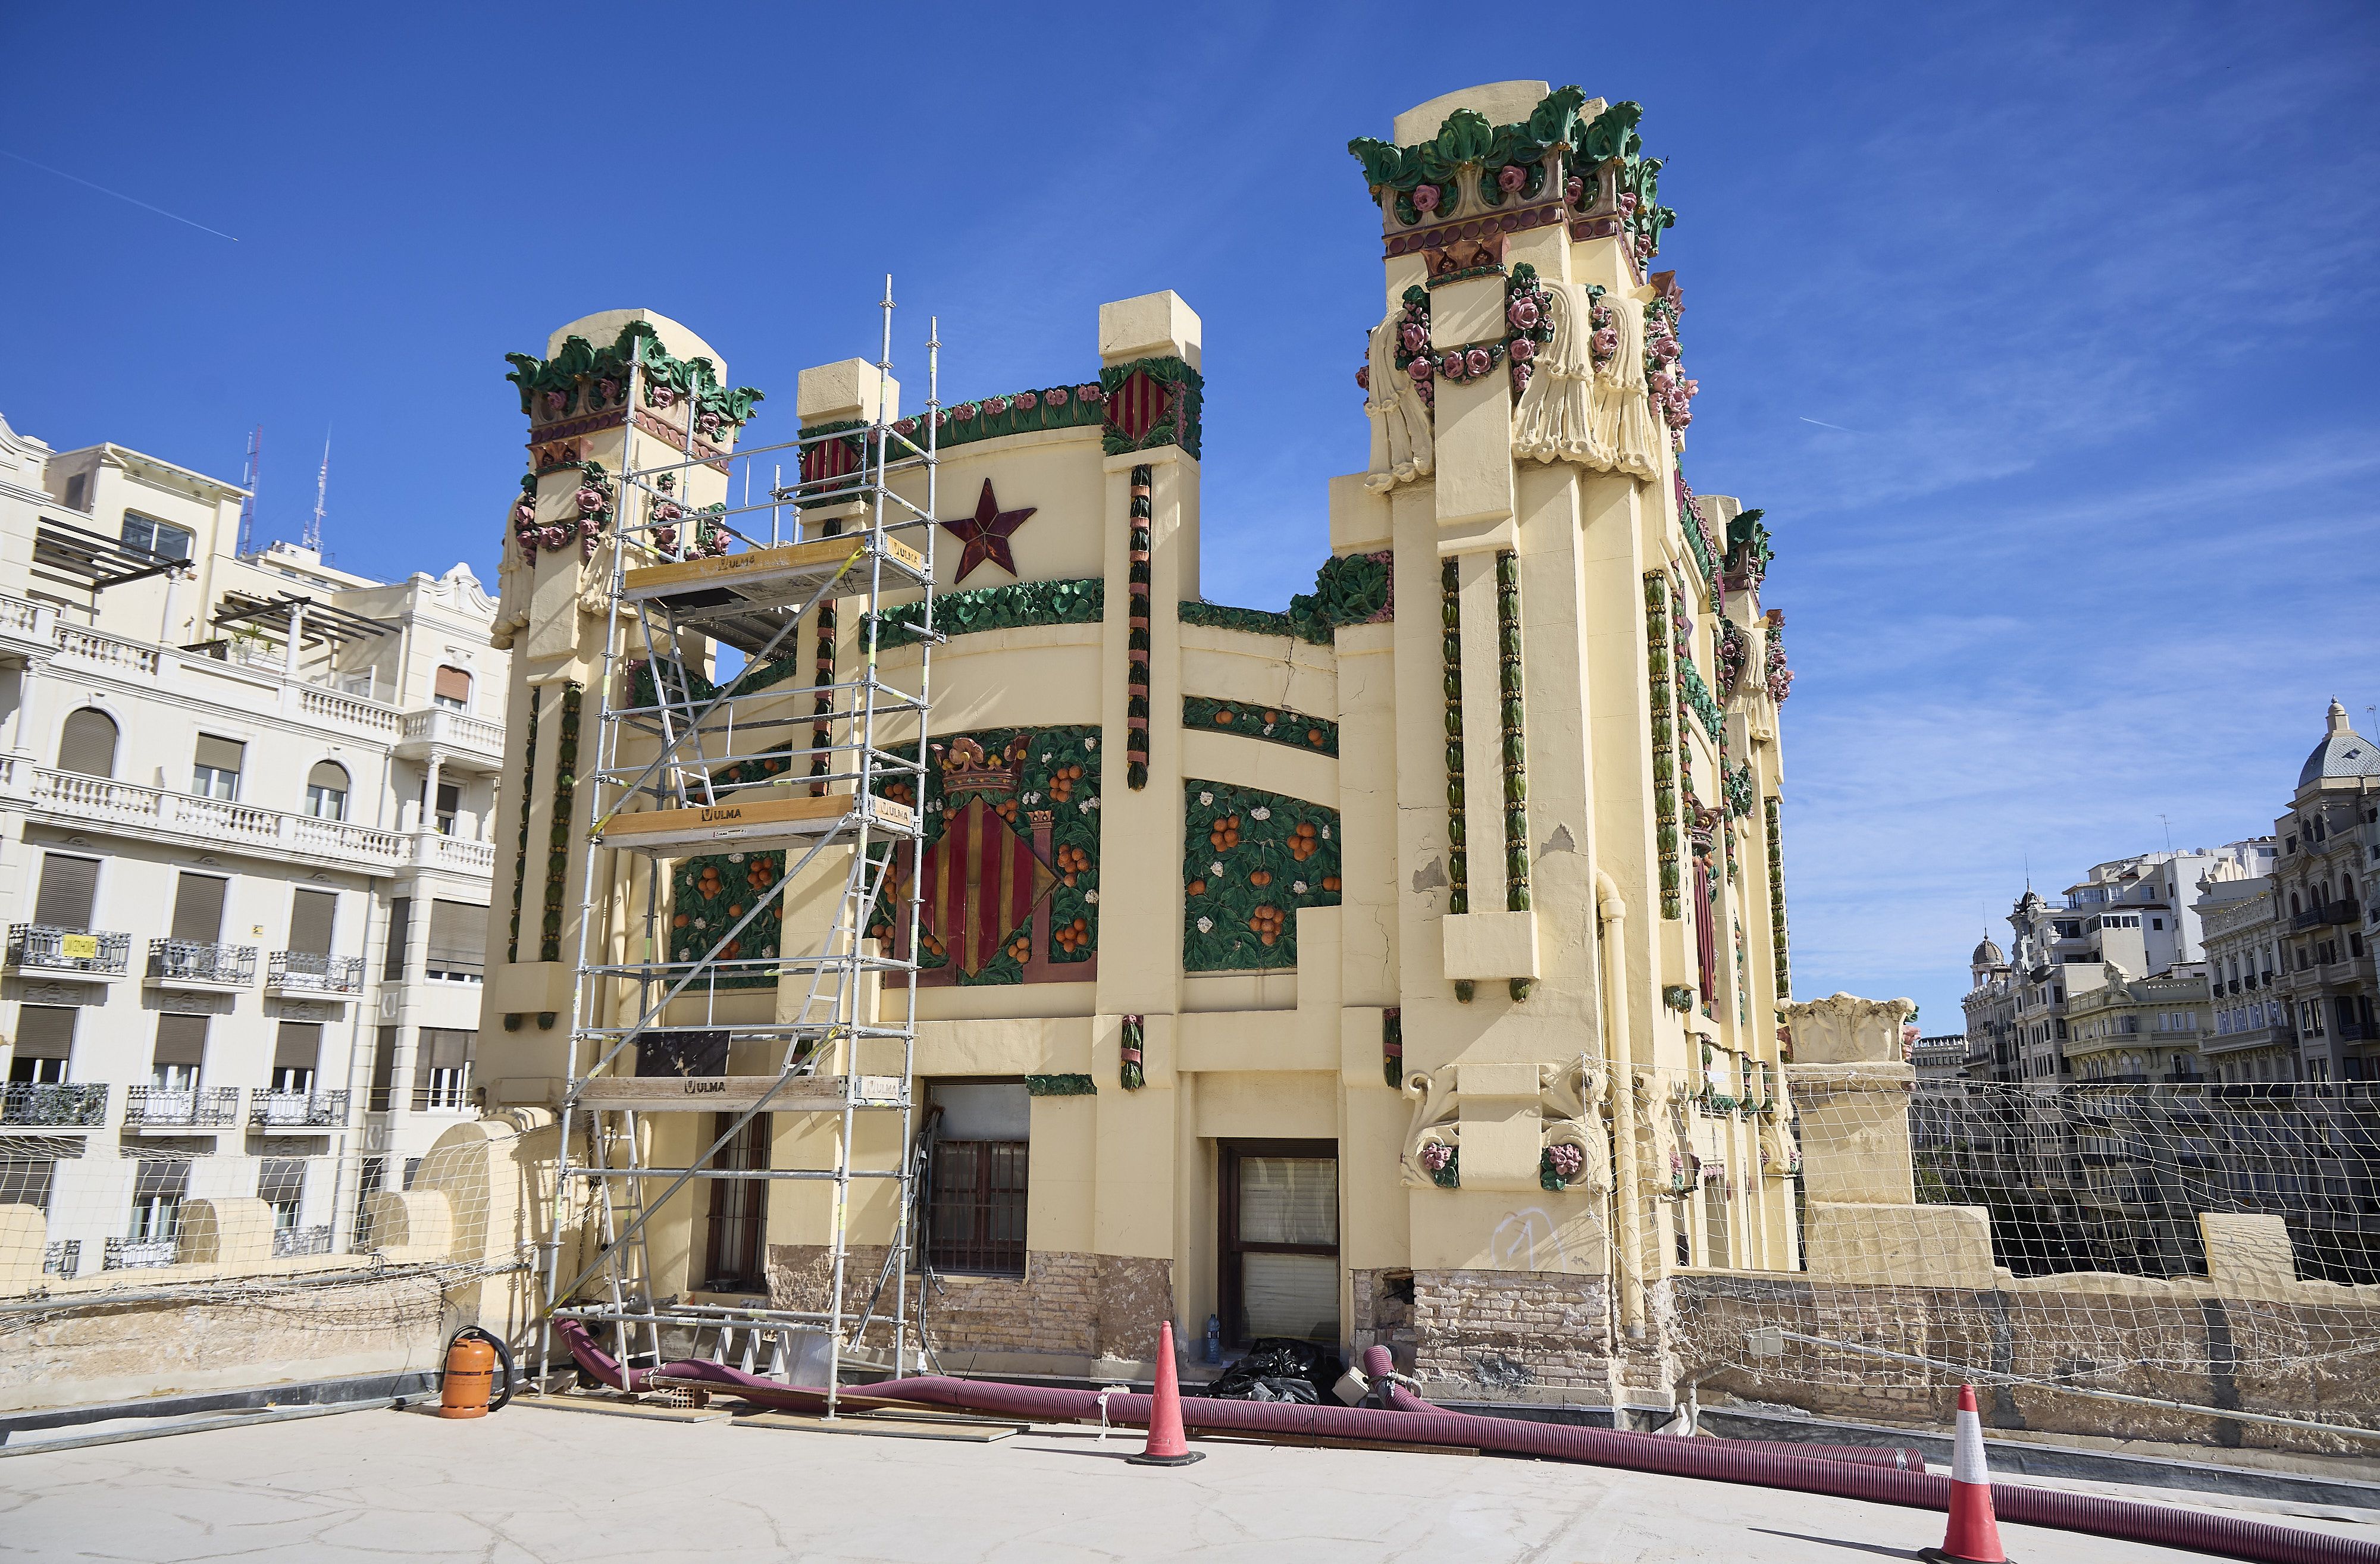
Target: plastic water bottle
x: 1214, y: 1353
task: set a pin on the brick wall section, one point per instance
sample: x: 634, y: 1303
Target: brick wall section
x: 1504, y: 1335
x: 1382, y: 1317
x: 1066, y: 1303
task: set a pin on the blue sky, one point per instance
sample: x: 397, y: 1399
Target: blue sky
x: 2043, y: 335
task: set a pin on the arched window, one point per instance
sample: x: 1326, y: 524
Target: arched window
x: 326, y: 790
x: 88, y: 743
x: 452, y: 688
x: 2294, y: 907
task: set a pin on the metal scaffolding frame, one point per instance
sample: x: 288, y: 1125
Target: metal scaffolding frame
x: 679, y: 577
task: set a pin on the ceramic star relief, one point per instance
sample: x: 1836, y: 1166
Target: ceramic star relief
x: 986, y: 533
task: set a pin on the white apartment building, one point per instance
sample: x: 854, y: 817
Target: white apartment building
x: 245, y: 804
x: 2126, y: 918
x: 2142, y: 912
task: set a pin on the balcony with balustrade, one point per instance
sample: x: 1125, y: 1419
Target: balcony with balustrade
x: 48, y: 949
x: 289, y: 1242
x: 452, y: 737
x: 297, y: 1110
x: 54, y: 1104
x: 216, y: 824
x: 139, y: 1254
x: 308, y: 975
x: 186, y: 1108
x: 196, y: 964
x: 28, y: 630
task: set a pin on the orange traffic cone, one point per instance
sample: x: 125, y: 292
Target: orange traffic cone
x: 1973, y: 1536
x: 1166, y: 1445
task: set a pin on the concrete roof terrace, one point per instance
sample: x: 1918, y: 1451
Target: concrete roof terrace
x: 535, y: 1483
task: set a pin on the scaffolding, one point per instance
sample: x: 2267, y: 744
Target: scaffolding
x: 669, y: 782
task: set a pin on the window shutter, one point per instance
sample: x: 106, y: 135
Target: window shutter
x: 329, y: 774
x: 447, y: 1049
x: 311, y: 913
x: 280, y: 1181
x: 25, y: 1181
x: 162, y: 1180
x: 383, y: 1075
x: 452, y: 683
x: 198, y: 908
x: 44, y: 1032
x: 998, y: 1111
x: 222, y: 754
x: 88, y: 744
x: 458, y: 934
x: 68, y: 888
x: 1289, y: 1200
x: 438, y: 1048
x: 299, y: 1046
x: 400, y: 934
x: 181, y: 1040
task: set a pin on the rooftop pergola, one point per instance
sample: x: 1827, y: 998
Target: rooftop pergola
x: 304, y: 620
x: 95, y: 560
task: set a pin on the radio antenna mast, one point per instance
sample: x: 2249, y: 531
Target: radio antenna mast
x: 313, y: 539
x: 248, y: 481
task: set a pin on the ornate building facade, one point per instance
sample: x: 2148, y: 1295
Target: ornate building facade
x: 2324, y: 900
x: 1340, y: 972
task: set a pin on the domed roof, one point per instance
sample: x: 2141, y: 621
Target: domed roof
x: 1988, y: 954
x: 2343, y: 752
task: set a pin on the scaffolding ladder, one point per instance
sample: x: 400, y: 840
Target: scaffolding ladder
x: 841, y: 1036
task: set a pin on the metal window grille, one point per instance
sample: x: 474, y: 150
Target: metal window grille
x: 977, y: 1215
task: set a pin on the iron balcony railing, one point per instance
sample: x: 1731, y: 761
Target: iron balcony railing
x: 63, y: 1257
x: 43, y: 947
x: 442, y: 1097
x: 287, y: 1241
x: 315, y: 973
x: 195, y: 961
x: 131, y: 1253
x: 54, y: 1104
x: 297, y: 1110
x: 204, y: 1107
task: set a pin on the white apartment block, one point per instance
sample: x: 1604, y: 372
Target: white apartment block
x: 244, y: 809
x: 2126, y: 918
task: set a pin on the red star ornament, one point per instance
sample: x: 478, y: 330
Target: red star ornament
x: 985, y: 534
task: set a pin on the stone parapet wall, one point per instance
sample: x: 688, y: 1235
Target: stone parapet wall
x: 2304, y: 1357
x: 224, y: 1333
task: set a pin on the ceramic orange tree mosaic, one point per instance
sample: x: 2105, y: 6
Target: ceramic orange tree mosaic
x: 1250, y: 860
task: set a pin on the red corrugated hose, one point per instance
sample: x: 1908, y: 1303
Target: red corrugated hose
x: 1871, y: 1476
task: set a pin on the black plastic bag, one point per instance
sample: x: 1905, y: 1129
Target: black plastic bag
x: 1279, y: 1369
